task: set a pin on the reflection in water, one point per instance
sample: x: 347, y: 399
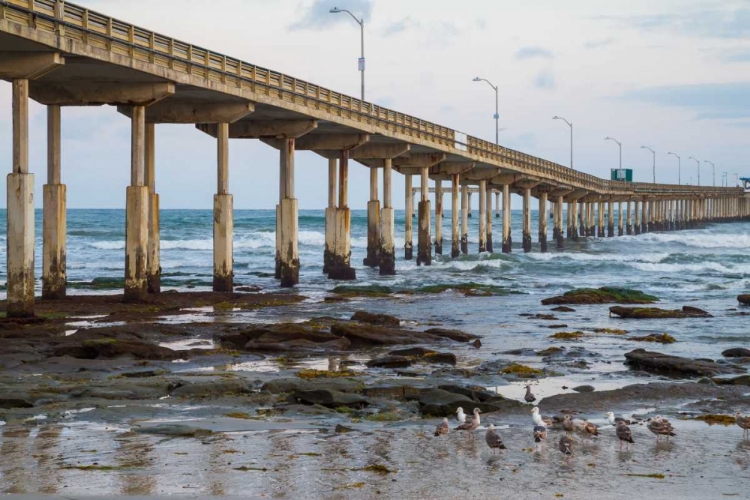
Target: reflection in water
x: 46, y: 446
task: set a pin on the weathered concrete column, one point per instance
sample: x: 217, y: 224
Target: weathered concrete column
x: 482, y: 216
x: 527, y: 220
x: 629, y: 227
x: 340, y: 266
x: 558, y: 235
x: 54, y: 275
x: 424, y: 239
x: 438, y: 217
x: 543, y: 222
x: 651, y: 215
x: 387, y: 224
x: 330, y: 229
x: 469, y: 211
x: 507, y: 240
x: 464, y: 220
x: 586, y: 210
x: 455, y: 237
x: 497, y: 204
x: 610, y: 219
x: 223, y: 217
x: 570, y: 220
x: 153, y: 271
x: 20, y: 212
x: 489, y: 220
x: 408, y: 223
x: 373, y: 223
x: 581, y: 209
x: 287, y: 221
x: 600, y: 225
x: 620, y: 222
x: 574, y: 219
x: 645, y: 208
x: 136, y: 213
x: 637, y: 223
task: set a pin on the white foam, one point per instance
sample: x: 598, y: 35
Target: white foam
x: 700, y: 239
x: 600, y: 257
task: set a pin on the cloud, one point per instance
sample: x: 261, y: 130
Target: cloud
x: 317, y: 16
x: 400, y: 26
x: 533, y: 53
x: 708, y: 101
x: 545, y: 80
x: 709, y: 23
x: 736, y: 56
x: 598, y: 44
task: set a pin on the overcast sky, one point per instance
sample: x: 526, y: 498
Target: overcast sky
x: 673, y: 75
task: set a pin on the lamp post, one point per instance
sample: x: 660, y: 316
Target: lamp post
x: 713, y: 171
x: 619, y: 144
x: 497, y: 109
x: 361, y: 23
x: 724, y: 177
x: 571, y: 136
x: 654, y: 153
x: 697, y: 162
x: 679, y: 167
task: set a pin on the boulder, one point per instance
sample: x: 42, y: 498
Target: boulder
x: 475, y: 393
x: 282, y: 337
x: 392, y: 391
x: 263, y: 345
x: 741, y: 380
x: 365, y: 335
x: 412, y: 351
x: 736, y: 352
x: 455, y: 335
x: 447, y: 358
x: 376, y: 319
x: 212, y: 388
x: 8, y: 401
x: 660, y: 338
x: 744, y: 299
x: 390, y: 362
x: 288, y: 385
x: 330, y: 398
x: 604, y: 295
x: 439, y: 403
x: 108, y: 348
x: 656, y: 313
x: 563, y: 309
x: 676, y: 365
x: 584, y: 388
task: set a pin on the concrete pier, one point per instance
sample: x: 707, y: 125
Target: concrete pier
x: 424, y: 239
x: 438, y: 217
x: 455, y: 229
x: 387, y: 223
x: 507, y: 240
x: 54, y: 275
x: 287, y: 222
x: 330, y: 214
x: 339, y: 267
x: 373, y: 223
x: 223, y: 217
x: 482, y: 216
x: 153, y: 271
x: 543, y: 216
x: 136, y: 213
x: 558, y: 235
x: 629, y: 222
x: 464, y: 220
x: 408, y: 216
x: 489, y: 220
x: 527, y: 220
x: 610, y: 219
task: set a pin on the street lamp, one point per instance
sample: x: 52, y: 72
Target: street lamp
x: 654, y: 153
x: 619, y: 144
x: 497, y: 112
x: 679, y: 165
x: 713, y: 171
x: 724, y: 181
x: 571, y: 136
x: 361, y: 23
x: 697, y: 162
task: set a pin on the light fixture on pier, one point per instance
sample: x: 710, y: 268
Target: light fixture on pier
x: 713, y: 172
x: 571, y: 136
x: 654, y: 165
x: 679, y: 167
x: 497, y: 108
x: 361, y: 62
x: 619, y: 144
x: 697, y: 162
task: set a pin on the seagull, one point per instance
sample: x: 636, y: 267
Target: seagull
x: 660, y: 427
x: 493, y: 440
x: 471, y: 425
x: 585, y: 427
x: 460, y: 415
x: 744, y: 423
x: 567, y: 424
x: 443, y: 428
x: 614, y: 420
x: 540, y: 433
x: 530, y: 398
x: 624, y: 434
x: 566, y: 445
x: 538, y: 419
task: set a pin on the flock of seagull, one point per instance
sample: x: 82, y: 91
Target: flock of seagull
x: 658, y: 425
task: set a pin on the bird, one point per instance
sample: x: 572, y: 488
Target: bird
x: 471, y: 425
x: 540, y: 433
x: 567, y: 424
x: 624, y: 434
x: 566, y: 445
x: 585, y: 428
x: 744, y: 423
x: 538, y: 419
x: 443, y: 428
x: 493, y: 440
x: 460, y: 415
x: 529, y: 397
x: 614, y: 420
x: 660, y: 427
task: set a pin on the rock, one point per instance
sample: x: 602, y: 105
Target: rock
x: 545, y: 317
x: 412, y: 351
x: 736, y: 352
x: 330, y: 398
x: 656, y: 313
x: 447, y: 358
x: 174, y: 430
x: 741, y: 380
x: 391, y: 391
x: 8, y: 401
x: 584, y: 388
x: 477, y: 344
x: 298, y: 409
x: 521, y: 352
x: 675, y: 365
x: 475, y: 393
x: 247, y: 289
x: 339, y: 344
x: 455, y: 335
x: 550, y: 351
x: 706, y: 381
x: 283, y: 337
x: 744, y: 299
x: 108, y: 348
x: 212, y: 388
x: 439, y: 403
x: 604, y: 295
x: 287, y: 385
x: 661, y: 338
x: 390, y: 362
x: 563, y: 309
x: 364, y: 335
x: 376, y: 319
x: 342, y: 429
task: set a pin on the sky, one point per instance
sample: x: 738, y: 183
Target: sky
x: 671, y: 75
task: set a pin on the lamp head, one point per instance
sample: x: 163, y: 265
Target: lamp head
x: 555, y: 117
x: 477, y: 79
x: 334, y: 10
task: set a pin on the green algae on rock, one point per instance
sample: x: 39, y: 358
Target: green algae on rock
x: 663, y: 338
x: 603, y: 295
x: 656, y: 313
x: 470, y: 289
x: 567, y: 335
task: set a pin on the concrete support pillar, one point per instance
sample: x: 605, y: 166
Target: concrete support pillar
x: 153, y: 271
x: 287, y: 221
x: 527, y: 220
x: 558, y: 234
x: 373, y: 223
x: 600, y: 228
x: 637, y: 217
x: 438, y: 217
x: 574, y: 219
x: 590, y: 217
x: 507, y: 240
x: 581, y: 224
x: 136, y: 213
x: 469, y: 211
x: 223, y: 217
x: 387, y: 222
x: 620, y: 221
x: 586, y: 210
x: 464, y: 220
x: 650, y: 215
x: 455, y: 237
x: 340, y: 265
x: 408, y: 222
x: 489, y: 220
x: 497, y: 204
x: 645, y: 209
x: 482, y: 216
x: 569, y: 216
x: 330, y: 228
x: 543, y: 222
x: 424, y: 239
x: 629, y: 224
x: 54, y: 275
x: 610, y: 219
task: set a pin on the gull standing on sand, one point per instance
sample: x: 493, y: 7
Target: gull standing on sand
x: 460, y: 415
x: 566, y: 445
x: 472, y: 425
x: 529, y: 398
x: 493, y: 440
x: 744, y: 423
x: 443, y: 428
x: 614, y: 420
x: 624, y: 434
x: 660, y: 427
